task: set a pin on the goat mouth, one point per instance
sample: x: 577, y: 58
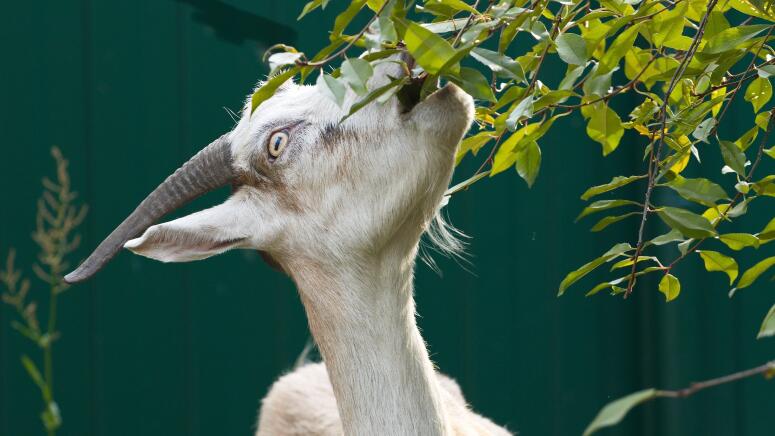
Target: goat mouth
x: 409, y: 94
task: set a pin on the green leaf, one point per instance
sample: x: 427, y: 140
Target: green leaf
x: 529, y: 162
x: 615, y: 411
x: 281, y: 59
x: 466, y: 183
x: 703, y: 129
x: 356, y: 73
x: 375, y: 94
x: 768, y: 325
x: 671, y: 236
x: 474, y: 83
x: 523, y: 109
x: 585, y: 269
x: 429, y: 50
x: 500, y: 64
x: 670, y: 286
x: 332, y: 87
x: 457, y: 5
x: 616, y: 182
x: 266, y: 91
x: 628, y: 262
x: 715, y: 261
x: 754, y: 272
x: 688, y: 223
x: 699, y: 190
x: 572, y: 49
x: 607, y: 221
x: 309, y: 7
x: 605, y: 127
x: 733, y: 38
x: 601, y: 205
x: 738, y: 241
x: 375, y: 5
x: 343, y: 19
x: 758, y: 93
x: 446, y: 26
x: 621, y: 45
x: 669, y: 25
x: 598, y: 83
x: 768, y: 232
x: 733, y: 156
x: 33, y: 372
x: 473, y: 144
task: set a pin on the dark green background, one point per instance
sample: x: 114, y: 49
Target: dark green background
x: 129, y: 90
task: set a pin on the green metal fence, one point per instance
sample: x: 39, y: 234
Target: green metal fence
x: 129, y: 90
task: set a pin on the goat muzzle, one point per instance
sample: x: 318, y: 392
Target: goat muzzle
x: 208, y: 170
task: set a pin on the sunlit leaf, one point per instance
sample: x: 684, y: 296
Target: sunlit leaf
x: 768, y: 232
x: 732, y: 38
x: 715, y: 261
x: 670, y: 287
x: 668, y: 26
x: 605, y: 127
x: 266, y: 91
x: 472, y: 144
x: 429, y: 50
x: 343, y: 19
x: 738, y: 241
x: 621, y: 45
x: 529, y: 162
x: 753, y: 273
x: 768, y: 325
x: 574, y: 276
x: 616, y: 182
x: 758, y: 93
x: 572, y: 49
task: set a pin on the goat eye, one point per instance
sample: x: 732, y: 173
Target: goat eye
x: 277, y: 143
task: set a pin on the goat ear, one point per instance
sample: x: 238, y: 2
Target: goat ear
x: 197, y: 236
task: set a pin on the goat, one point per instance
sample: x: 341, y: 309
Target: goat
x: 339, y: 207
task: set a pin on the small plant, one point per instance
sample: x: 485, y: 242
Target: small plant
x: 57, y: 218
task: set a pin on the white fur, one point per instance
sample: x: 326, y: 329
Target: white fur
x: 343, y: 214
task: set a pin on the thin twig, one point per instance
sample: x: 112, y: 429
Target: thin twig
x: 655, y: 152
x: 698, y: 386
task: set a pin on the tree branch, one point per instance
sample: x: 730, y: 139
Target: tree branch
x: 698, y: 386
x: 655, y: 154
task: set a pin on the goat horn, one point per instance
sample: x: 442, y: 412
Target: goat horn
x: 207, y: 170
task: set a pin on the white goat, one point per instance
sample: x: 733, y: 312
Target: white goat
x: 341, y: 209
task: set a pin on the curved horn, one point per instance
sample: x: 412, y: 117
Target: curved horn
x: 207, y: 170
